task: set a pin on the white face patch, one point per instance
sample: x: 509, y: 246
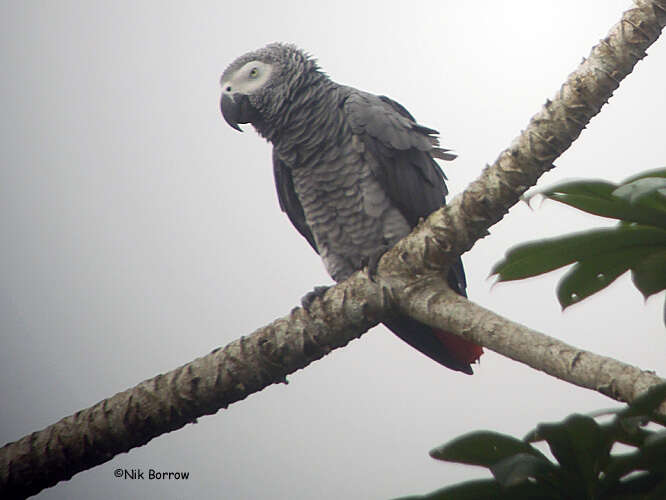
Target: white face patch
x: 249, y: 78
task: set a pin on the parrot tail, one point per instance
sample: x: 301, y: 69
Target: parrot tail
x: 447, y: 349
x: 465, y: 351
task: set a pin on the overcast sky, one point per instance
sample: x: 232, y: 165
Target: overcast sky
x: 139, y: 231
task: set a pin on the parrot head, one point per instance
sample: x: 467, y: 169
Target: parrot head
x: 257, y: 86
x: 241, y: 89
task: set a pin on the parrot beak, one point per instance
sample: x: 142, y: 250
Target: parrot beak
x: 230, y: 111
x: 237, y: 108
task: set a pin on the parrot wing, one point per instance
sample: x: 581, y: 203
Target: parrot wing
x: 404, y: 165
x: 288, y: 199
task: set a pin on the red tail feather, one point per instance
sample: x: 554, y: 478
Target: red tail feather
x: 461, y: 349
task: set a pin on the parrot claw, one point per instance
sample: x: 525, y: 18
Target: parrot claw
x: 316, y: 293
x: 373, y: 261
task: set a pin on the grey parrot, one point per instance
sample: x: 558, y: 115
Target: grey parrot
x: 354, y: 171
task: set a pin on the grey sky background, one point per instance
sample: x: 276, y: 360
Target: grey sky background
x: 139, y: 231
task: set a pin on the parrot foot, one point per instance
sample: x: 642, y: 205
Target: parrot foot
x: 316, y: 293
x: 373, y: 261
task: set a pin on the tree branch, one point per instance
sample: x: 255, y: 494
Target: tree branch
x: 202, y: 387
x: 455, y: 228
x: 408, y: 278
x: 431, y: 301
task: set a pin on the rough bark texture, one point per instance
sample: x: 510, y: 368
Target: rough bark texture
x: 167, y: 402
x: 430, y: 300
x: 202, y: 387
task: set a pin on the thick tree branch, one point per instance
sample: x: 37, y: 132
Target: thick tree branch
x: 431, y: 300
x: 202, y: 387
x: 167, y: 402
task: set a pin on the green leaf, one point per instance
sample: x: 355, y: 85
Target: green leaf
x: 649, y: 275
x: 605, y: 412
x: 594, y: 189
x: 658, y: 492
x: 639, y: 486
x: 657, y: 172
x: 597, y: 197
x: 653, y: 451
x: 582, y: 447
x: 579, y: 446
x: 538, y: 257
x: 589, y: 276
x: 484, y: 448
x: 520, y: 467
x: 628, y: 430
x: 618, y: 466
x: 469, y: 490
x: 634, y: 191
x: 648, y: 193
x: 488, y: 489
x: 646, y: 403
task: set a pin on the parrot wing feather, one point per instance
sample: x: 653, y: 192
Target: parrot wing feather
x: 288, y: 199
x: 403, y: 162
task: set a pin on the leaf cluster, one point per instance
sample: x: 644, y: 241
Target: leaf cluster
x: 586, y: 466
x: 600, y: 256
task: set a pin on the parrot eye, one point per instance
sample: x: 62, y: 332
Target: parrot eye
x: 254, y: 72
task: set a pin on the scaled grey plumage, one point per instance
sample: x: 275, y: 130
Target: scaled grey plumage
x: 354, y: 171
